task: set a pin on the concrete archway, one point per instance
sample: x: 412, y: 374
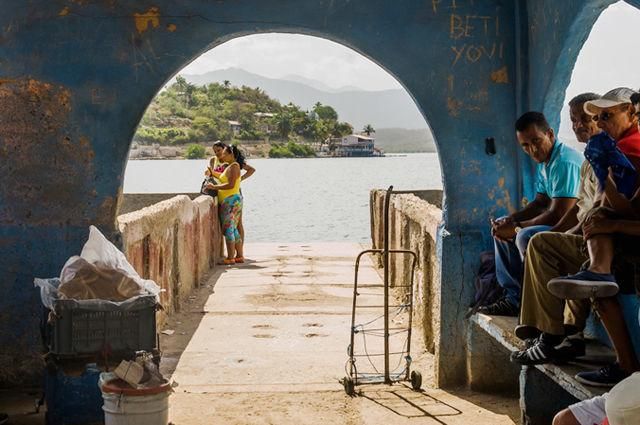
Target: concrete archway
x: 79, y: 76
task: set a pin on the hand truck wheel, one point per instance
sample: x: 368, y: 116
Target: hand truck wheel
x: 416, y: 380
x: 349, y: 386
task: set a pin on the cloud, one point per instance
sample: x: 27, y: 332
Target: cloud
x: 278, y: 55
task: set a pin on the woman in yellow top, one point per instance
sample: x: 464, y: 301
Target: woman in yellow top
x: 230, y: 202
x: 218, y: 165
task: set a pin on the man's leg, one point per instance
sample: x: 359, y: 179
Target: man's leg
x: 626, y: 363
x: 597, y: 281
x: 549, y: 254
x: 509, y: 270
x: 523, y: 237
x: 612, y: 318
x: 601, y: 252
x: 508, y: 275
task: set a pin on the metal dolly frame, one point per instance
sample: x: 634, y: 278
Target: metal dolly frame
x: 351, y: 380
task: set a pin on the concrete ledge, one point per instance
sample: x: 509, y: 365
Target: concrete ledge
x: 544, y: 389
x: 174, y: 242
x: 414, y: 226
x: 130, y: 202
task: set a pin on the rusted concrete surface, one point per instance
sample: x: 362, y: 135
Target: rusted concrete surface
x: 265, y: 343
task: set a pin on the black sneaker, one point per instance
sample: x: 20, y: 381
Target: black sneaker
x: 538, y: 353
x: 525, y: 332
x: 607, y: 376
x: 4, y: 418
x: 502, y: 307
x: 571, y: 347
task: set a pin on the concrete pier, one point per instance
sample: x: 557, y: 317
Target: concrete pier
x: 266, y: 342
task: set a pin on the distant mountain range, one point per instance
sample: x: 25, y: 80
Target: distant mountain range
x: 402, y: 140
x: 381, y: 109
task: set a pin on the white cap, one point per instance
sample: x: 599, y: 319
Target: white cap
x: 623, y: 402
x: 611, y: 98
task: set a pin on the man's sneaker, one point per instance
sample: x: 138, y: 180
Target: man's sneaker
x: 607, y: 376
x: 4, y: 418
x: 538, y: 353
x: 502, y: 307
x: 525, y: 332
x: 582, y: 285
x: 571, y: 347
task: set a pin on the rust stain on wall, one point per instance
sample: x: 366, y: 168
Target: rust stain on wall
x: 500, y: 76
x: 453, y: 106
x: 150, y: 18
x: 47, y: 170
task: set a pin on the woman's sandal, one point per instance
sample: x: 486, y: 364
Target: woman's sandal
x: 239, y: 259
x: 227, y: 262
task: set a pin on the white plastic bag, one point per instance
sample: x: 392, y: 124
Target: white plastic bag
x: 48, y: 290
x: 101, y: 264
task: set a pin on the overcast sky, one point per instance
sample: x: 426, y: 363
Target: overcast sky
x: 280, y: 55
x: 610, y: 58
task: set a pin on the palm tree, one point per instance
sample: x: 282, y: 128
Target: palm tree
x: 284, y: 125
x: 226, y: 84
x: 368, y: 129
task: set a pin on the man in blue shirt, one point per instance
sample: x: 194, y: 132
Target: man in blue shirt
x: 557, y: 184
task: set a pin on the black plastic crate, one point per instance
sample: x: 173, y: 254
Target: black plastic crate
x: 85, y: 328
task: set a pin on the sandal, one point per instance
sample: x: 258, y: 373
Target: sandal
x: 239, y: 259
x: 227, y: 262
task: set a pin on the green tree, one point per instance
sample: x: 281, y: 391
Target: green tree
x: 368, y: 129
x: 325, y: 112
x: 195, y: 151
x: 283, y: 124
x: 343, y: 129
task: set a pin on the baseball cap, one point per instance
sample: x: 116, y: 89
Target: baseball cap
x: 623, y: 402
x: 615, y: 97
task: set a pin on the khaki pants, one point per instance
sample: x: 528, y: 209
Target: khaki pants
x: 549, y: 255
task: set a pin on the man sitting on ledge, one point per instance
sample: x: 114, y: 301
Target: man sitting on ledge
x: 557, y: 181
x: 563, y: 253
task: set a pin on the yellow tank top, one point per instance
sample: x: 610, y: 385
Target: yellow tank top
x: 223, y: 194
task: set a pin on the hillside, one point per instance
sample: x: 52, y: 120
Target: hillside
x: 401, y: 140
x: 382, y: 109
x: 187, y: 113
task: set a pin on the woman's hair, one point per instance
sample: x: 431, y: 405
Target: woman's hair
x: 237, y: 154
x: 220, y: 144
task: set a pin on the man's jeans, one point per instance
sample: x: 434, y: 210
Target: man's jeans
x: 509, y: 262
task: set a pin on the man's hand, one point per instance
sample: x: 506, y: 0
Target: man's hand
x: 598, y: 225
x: 503, y: 229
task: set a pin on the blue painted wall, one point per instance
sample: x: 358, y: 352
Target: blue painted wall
x: 76, y: 77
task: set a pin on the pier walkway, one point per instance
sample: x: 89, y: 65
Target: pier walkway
x: 265, y: 342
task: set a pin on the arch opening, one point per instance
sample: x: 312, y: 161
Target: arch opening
x: 599, y: 67
x: 262, y: 68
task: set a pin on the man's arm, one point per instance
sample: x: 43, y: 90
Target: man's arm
x: 505, y: 229
x: 550, y: 217
x: 602, y: 226
x: 568, y: 221
x: 532, y: 209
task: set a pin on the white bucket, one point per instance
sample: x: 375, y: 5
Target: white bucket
x: 135, y: 407
x: 120, y: 409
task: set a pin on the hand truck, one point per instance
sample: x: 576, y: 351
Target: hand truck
x: 353, y: 377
